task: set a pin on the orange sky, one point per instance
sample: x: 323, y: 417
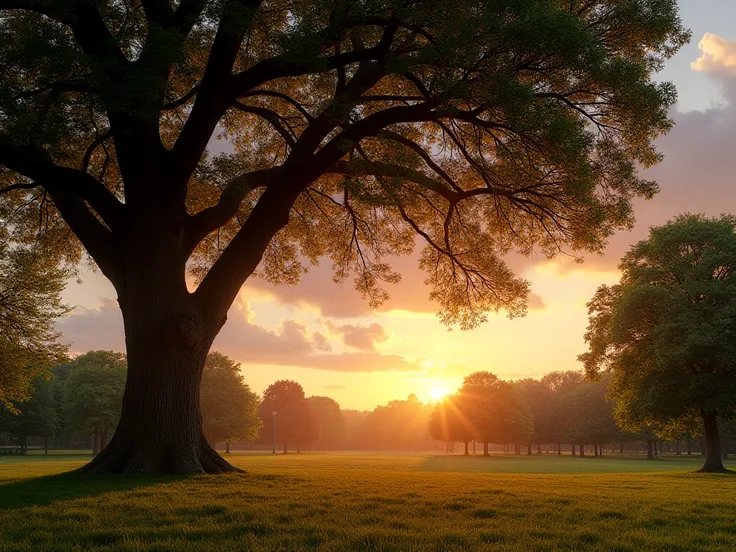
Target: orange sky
x: 326, y: 338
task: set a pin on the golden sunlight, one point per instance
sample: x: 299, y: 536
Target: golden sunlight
x: 437, y: 393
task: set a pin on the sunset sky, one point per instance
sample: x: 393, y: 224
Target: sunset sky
x: 325, y: 337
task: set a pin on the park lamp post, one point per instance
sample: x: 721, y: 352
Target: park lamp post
x: 274, y: 431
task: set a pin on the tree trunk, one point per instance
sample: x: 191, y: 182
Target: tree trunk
x: 713, y: 458
x: 559, y: 449
x: 466, y: 448
x: 160, y: 428
x: 650, y: 449
x: 582, y: 450
x: 485, y: 448
x: 572, y: 446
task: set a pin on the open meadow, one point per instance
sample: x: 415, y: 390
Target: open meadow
x: 352, y: 501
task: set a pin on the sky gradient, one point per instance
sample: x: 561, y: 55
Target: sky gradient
x: 325, y: 337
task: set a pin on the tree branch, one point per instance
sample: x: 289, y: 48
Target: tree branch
x: 271, y: 116
x: 36, y: 166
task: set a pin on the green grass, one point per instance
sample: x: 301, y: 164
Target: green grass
x: 373, y: 502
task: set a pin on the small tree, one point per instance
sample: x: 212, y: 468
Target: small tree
x: 449, y: 422
x: 330, y: 422
x: 94, y: 393
x: 36, y: 417
x: 667, y: 331
x: 295, y: 422
x: 229, y: 408
x: 497, y: 413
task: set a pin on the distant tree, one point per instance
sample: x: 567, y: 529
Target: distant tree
x: 398, y: 425
x: 354, y: 422
x: 295, y: 422
x: 36, y: 417
x: 330, y: 422
x: 229, y: 408
x: 449, y: 422
x: 356, y: 126
x: 561, y: 384
x: 589, y: 419
x: 667, y: 331
x: 94, y: 394
x: 497, y: 412
x: 539, y: 398
x: 30, y: 302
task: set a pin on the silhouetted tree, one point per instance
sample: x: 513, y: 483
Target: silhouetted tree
x: 450, y: 422
x: 330, y: 421
x: 229, y: 408
x: 295, y: 422
x: 332, y: 109
x: 496, y: 411
x: 666, y: 330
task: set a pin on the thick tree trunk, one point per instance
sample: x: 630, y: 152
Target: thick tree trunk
x: 713, y: 458
x: 559, y: 449
x: 466, y: 448
x: 650, y: 449
x: 572, y: 446
x: 485, y: 448
x: 160, y: 428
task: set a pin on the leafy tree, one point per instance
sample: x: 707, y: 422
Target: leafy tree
x: 30, y: 287
x: 330, y: 422
x: 538, y: 397
x: 356, y: 126
x: 229, y: 408
x: 590, y: 420
x: 36, y: 417
x: 496, y: 411
x: 295, y: 422
x: 667, y: 331
x: 398, y: 425
x: 94, y: 394
x: 449, y: 422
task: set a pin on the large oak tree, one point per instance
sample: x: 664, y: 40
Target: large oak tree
x: 479, y: 126
x: 667, y: 331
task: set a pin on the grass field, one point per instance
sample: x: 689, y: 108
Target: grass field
x: 402, y: 502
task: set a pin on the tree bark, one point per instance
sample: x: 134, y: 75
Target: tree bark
x: 713, y: 458
x: 167, y: 340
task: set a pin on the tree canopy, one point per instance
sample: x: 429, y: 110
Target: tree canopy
x: 667, y: 331
x: 229, y: 408
x: 353, y: 129
x: 94, y: 393
x: 30, y: 302
x: 330, y: 422
x: 285, y: 405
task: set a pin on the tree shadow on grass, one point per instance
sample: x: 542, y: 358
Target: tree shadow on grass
x: 40, y: 491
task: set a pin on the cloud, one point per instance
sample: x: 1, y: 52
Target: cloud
x: 535, y: 302
x: 719, y: 55
x: 335, y: 387
x: 360, y: 337
x: 87, y: 329
x: 290, y: 344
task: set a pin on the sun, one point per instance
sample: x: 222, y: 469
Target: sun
x: 437, y: 393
